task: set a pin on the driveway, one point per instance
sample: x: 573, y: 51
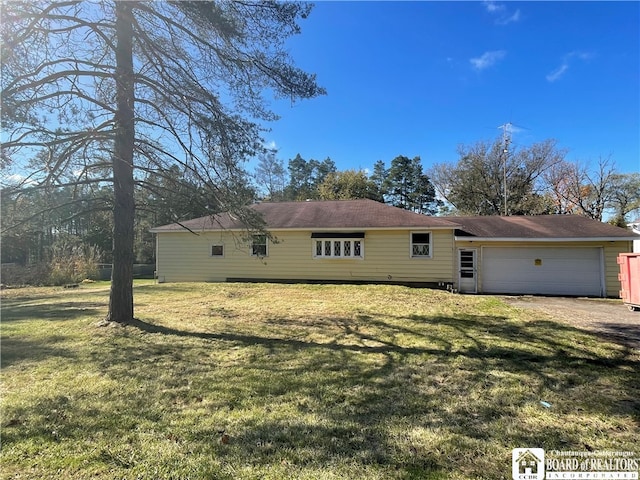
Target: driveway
x: 611, y: 318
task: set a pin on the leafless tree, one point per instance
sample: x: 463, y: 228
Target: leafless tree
x: 576, y: 188
x: 476, y: 183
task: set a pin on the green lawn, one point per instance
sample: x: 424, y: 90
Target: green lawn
x: 305, y: 381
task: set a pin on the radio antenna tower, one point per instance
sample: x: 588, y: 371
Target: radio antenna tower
x: 507, y: 128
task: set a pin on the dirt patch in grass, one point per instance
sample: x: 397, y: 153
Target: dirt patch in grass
x: 302, y: 382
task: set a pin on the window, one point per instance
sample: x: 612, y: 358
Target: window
x: 217, y: 250
x: 421, y: 244
x: 338, y: 244
x: 338, y: 248
x: 259, y: 246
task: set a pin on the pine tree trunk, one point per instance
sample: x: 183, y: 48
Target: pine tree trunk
x: 121, y: 297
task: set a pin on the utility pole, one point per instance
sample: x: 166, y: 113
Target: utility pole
x: 506, y: 139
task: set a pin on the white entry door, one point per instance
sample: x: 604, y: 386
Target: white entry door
x: 467, y: 271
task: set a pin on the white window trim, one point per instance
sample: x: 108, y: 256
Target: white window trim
x: 411, y: 255
x: 216, y: 245
x: 341, y: 256
x: 266, y: 247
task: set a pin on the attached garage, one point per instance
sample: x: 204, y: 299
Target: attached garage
x: 539, y: 255
x: 543, y: 270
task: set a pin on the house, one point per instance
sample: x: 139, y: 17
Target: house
x: 367, y: 241
x: 635, y: 228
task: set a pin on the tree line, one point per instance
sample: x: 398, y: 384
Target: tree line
x: 403, y: 184
x: 487, y: 179
x: 539, y: 180
x: 39, y: 220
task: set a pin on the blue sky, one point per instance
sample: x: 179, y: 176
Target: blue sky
x: 421, y: 78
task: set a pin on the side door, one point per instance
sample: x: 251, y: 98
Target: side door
x: 467, y: 270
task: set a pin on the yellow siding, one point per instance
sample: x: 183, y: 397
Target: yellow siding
x: 183, y: 256
x: 610, y: 250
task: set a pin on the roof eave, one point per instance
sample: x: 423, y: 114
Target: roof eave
x: 544, y: 239
x: 303, y: 229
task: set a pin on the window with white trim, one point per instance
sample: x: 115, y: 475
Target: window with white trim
x: 338, y: 244
x: 420, y: 244
x: 338, y: 248
x: 259, y: 246
x: 217, y: 250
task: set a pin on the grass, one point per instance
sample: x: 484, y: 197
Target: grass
x: 248, y: 381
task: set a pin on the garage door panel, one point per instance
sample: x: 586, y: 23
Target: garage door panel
x: 544, y: 270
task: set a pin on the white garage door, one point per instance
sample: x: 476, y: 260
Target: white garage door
x: 542, y: 271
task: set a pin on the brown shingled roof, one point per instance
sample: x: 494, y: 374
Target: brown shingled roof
x: 369, y: 214
x: 538, y: 226
x: 327, y: 214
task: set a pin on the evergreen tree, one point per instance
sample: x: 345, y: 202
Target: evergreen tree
x: 409, y: 188
x: 135, y: 87
x: 379, y: 180
x: 306, y: 176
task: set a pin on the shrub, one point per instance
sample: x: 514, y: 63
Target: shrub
x: 72, y: 261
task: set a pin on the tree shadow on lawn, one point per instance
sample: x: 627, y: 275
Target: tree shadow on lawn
x: 20, y: 347
x: 61, y: 305
x: 16, y: 350
x: 538, y: 348
x: 562, y: 357
x: 423, y: 397
x: 51, y: 311
x: 452, y: 387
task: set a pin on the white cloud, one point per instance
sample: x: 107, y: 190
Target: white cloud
x: 16, y: 179
x: 503, y: 16
x: 511, y: 128
x: 582, y: 55
x: 487, y: 59
x: 559, y: 72
x: 507, y: 19
x: 493, y: 7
